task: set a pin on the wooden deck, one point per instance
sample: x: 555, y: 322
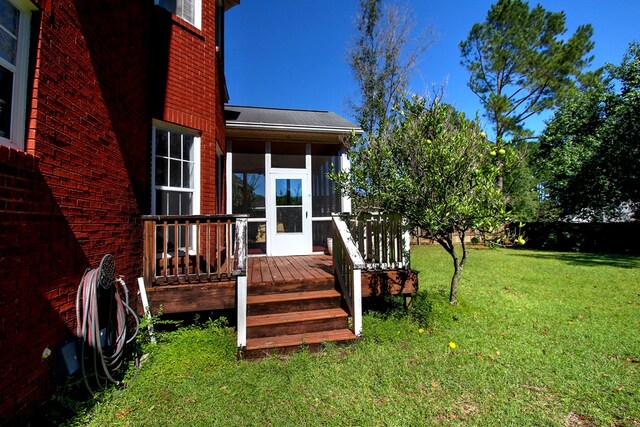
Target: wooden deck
x: 290, y: 269
x: 271, y: 275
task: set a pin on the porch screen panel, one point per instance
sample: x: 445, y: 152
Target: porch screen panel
x: 288, y: 155
x: 325, y: 199
x: 321, y: 231
x: 248, y: 191
x: 257, y: 238
x: 248, y: 180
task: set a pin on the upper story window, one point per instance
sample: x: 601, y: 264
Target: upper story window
x: 15, y: 18
x: 189, y: 10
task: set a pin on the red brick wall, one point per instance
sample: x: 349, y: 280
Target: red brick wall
x: 187, y: 91
x: 39, y: 262
x: 99, y: 74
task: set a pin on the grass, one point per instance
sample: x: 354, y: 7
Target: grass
x: 541, y: 339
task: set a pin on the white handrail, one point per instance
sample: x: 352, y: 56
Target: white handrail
x: 348, y: 264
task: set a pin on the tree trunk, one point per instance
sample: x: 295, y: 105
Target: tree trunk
x: 457, y: 272
x: 458, y: 264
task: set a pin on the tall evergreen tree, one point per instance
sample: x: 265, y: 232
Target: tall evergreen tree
x: 521, y: 63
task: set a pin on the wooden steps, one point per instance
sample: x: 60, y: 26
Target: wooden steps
x: 290, y: 301
x: 285, y: 344
x: 281, y: 320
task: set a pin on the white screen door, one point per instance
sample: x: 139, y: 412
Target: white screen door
x: 290, y: 222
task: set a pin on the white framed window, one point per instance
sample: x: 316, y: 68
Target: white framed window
x: 15, y: 21
x: 189, y: 10
x: 176, y: 171
x: 175, y: 179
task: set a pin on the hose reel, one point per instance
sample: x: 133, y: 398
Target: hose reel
x: 102, y: 306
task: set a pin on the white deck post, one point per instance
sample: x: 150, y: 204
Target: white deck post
x: 242, y: 311
x: 357, y: 302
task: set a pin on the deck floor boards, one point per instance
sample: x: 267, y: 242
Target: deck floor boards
x: 289, y: 268
x: 284, y: 268
x: 303, y: 268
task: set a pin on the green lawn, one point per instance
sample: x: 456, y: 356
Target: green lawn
x: 541, y: 339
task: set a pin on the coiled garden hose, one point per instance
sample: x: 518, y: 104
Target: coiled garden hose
x: 92, y: 319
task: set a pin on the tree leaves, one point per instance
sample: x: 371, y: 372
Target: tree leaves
x: 435, y: 169
x: 520, y: 63
x: 590, y: 151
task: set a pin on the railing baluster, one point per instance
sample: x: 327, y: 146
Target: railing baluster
x: 218, y: 249
x: 149, y: 253
x: 176, y: 251
x: 406, y: 247
x: 197, y: 266
x: 165, y: 253
x: 228, y: 249
x: 208, y: 243
x: 187, y: 270
x: 400, y: 243
x: 390, y: 242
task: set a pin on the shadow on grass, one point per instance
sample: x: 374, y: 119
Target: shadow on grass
x: 384, y: 306
x: 586, y: 259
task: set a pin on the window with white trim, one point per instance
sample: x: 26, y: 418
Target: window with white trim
x: 189, y: 10
x: 176, y: 177
x: 15, y: 18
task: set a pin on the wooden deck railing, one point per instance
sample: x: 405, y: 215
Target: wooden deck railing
x: 197, y: 249
x: 193, y: 248
x: 348, y: 265
x: 367, y: 242
x: 382, y: 239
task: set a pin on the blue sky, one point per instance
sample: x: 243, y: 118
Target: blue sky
x: 291, y: 53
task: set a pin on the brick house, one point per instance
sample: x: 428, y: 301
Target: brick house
x: 112, y: 120
x: 85, y: 88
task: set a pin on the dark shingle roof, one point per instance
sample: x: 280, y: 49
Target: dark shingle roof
x: 260, y: 117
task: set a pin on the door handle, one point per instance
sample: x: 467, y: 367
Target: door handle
x: 306, y: 214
